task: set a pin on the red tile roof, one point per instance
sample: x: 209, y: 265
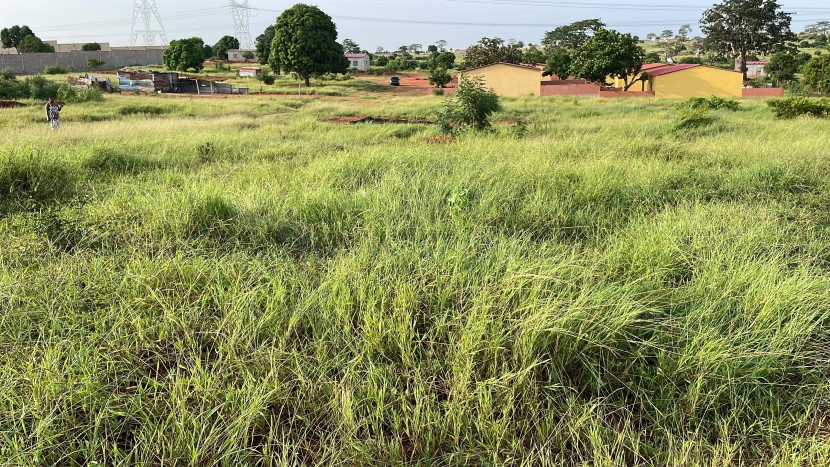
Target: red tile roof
x: 672, y: 69
x: 649, y: 66
x: 355, y: 55
x: 757, y: 62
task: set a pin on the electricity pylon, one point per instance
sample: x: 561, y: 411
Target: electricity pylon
x: 144, y: 11
x: 241, y: 14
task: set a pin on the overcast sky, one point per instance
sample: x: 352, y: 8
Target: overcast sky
x: 373, y: 23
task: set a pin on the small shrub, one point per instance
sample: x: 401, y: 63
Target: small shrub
x: 692, y: 119
x: 54, y: 70
x: 31, y: 176
x: 471, y: 107
x: 438, y: 92
x: 792, y: 107
x: 137, y: 109
x: 41, y: 88
x: 109, y: 160
x: 439, y: 77
x: 69, y: 94
x: 712, y: 103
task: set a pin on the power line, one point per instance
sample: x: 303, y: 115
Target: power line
x: 241, y: 12
x: 145, y: 11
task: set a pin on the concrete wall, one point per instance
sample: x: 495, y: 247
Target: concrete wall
x: 30, y: 64
x: 615, y: 93
x: 699, y: 81
x: 549, y: 89
x: 509, y: 80
x: 763, y: 92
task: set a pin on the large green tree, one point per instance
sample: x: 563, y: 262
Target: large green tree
x: 558, y: 63
x: 220, y: 49
x: 491, y: 50
x: 350, y: 46
x: 11, y: 37
x: 33, y: 44
x: 263, y: 45
x: 305, y: 42
x: 817, y: 74
x: 91, y: 47
x: 573, y: 35
x: 738, y: 28
x: 608, y: 54
x: 184, y: 54
x: 783, y: 67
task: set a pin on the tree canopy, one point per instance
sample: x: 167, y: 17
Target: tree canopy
x: 33, y: 44
x: 738, y: 28
x: 491, y: 50
x: 220, y: 49
x: 350, y: 46
x: 263, y: 45
x: 783, y: 67
x: 817, y: 74
x: 608, y: 54
x: 573, y: 35
x: 91, y: 47
x: 305, y: 42
x: 11, y: 37
x: 184, y: 54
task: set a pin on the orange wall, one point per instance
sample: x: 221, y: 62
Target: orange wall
x: 509, y: 80
x: 571, y: 90
x: 763, y: 92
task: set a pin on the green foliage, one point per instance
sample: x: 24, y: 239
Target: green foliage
x: 266, y: 77
x: 491, y: 50
x: 652, y: 57
x: 444, y: 60
x: 439, y: 77
x: 94, y: 63
x: 184, y: 54
x: 470, y: 108
x: 91, y: 47
x: 207, y: 52
x: 690, y: 60
x: 711, y: 103
x: 225, y: 43
x: 438, y: 92
x: 40, y: 88
x: 305, y: 43
x: 68, y: 94
x: 608, y: 53
x: 381, y: 61
x: 572, y: 36
x: 32, y: 44
x: 54, y: 70
x: 12, y: 36
x: 739, y: 28
x: 792, y: 107
x: 690, y: 119
x: 248, y: 55
x: 558, y: 63
x: 350, y: 46
x: 783, y: 67
x: 11, y: 87
x: 263, y: 45
x: 817, y: 74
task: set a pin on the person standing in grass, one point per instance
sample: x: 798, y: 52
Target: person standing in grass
x: 53, y: 113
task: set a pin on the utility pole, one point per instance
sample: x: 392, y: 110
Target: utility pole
x: 144, y: 12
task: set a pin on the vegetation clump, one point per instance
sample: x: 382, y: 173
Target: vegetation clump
x: 712, y: 103
x: 471, y: 107
x: 792, y: 107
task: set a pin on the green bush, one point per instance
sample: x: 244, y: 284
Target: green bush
x: 11, y: 87
x: 692, y: 119
x: 795, y: 106
x: 138, y: 109
x: 712, y: 103
x: 69, y: 94
x: 438, y: 92
x: 54, y: 70
x: 470, y: 108
x: 41, y: 88
x: 817, y: 74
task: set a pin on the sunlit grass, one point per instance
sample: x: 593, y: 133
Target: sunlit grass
x: 243, y: 281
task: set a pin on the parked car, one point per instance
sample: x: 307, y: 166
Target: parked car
x: 395, y: 81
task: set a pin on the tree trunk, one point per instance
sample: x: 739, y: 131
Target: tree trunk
x: 740, y: 63
x: 307, y: 81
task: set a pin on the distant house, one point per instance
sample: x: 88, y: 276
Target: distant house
x: 236, y: 55
x: 359, y: 62
x: 509, y: 79
x: 620, y: 83
x: 756, y: 68
x: 689, y: 80
x: 250, y: 71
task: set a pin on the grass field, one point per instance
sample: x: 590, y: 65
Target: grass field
x: 244, y: 282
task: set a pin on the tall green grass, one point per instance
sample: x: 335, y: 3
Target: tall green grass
x: 244, y: 282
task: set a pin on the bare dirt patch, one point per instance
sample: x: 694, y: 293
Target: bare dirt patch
x: 10, y: 104
x: 350, y: 120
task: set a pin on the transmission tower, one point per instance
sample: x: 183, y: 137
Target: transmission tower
x: 241, y: 14
x: 144, y: 12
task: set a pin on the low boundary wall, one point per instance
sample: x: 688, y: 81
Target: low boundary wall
x: 29, y: 64
x: 762, y: 92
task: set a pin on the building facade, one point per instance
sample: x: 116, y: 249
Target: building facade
x: 359, y: 62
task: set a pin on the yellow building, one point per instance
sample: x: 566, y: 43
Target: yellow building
x: 695, y: 81
x: 619, y: 83
x: 509, y: 79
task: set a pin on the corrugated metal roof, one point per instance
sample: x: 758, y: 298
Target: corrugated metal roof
x: 356, y: 55
x: 651, y: 66
x: 757, y: 62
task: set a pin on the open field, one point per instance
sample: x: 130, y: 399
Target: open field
x: 247, y: 282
